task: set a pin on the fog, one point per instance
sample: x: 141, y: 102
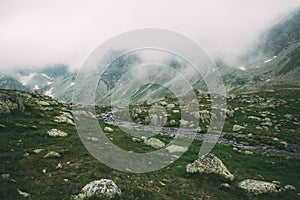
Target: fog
x: 38, y: 33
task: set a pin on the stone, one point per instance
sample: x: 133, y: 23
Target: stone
x: 93, y: 139
x: 65, y: 117
x: 260, y: 187
x: 209, y: 163
x: 255, y: 118
x: 175, y: 148
x: 198, y: 130
x: 38, y: 150
x: 171, y: 105
x: 104, y: 188
x: 184, y: 123
x: 52, y: 154
x: 57, y: 133
x: 108, y: 129
x: 154, y: 142
x: 5, y: 176
x: 236, y: 128
x: 225, y: 185
x: 59, y: 166
x: 247, y: 152
x: 290, y: 187
x: 267, y: 124
x: 24, y: 194
x: 43, y: 103
x: 285, y: 144
x: 172, y: 122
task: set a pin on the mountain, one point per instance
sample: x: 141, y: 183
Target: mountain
x: 273, y: 63
x: 9, y: 83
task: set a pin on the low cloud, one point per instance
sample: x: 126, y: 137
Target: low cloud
x: 35, y: 33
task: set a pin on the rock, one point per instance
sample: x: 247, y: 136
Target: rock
x: 108, y: 129
x: 184, y: 123
x: 267, y: 124
x: 65, y: 117
x: 225, y: 185
x: 171, y: 105
x: 285, y: 144
x: 209, y: 163
x: 172, y: 122
x: 175, y: 148
x: 198, y: 130
x: 260, y: 187
x: 38, y: 150
x: 43, y: 103
x: 255, y: 118
x: 154, y: 142
x: 136, y: 139
x: 163, y: 103
x: 93, y: 139
x: 5, y: 176
x: 57, y: 133
x: 104, y: 188
x: 236, y: 128
x: 59, y: 166
x: 205, y: 116
x: 52, y: 154
x: 289, y: 187
x: 24, y: 194
x: 26, y: 154
x: 247, y: 152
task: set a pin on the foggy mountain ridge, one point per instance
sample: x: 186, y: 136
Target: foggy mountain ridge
x: 274, y: 62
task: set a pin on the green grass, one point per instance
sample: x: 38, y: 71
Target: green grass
x: 171, y: 182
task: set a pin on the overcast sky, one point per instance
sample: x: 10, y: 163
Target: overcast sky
x: 38, y: 33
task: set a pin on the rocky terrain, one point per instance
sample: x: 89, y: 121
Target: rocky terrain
x: 43, y: 157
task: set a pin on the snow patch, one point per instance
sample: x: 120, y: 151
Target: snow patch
x: 266, y: 61
x: 45, y: 75
x: 242, y: 68
x: 25, y: 79
x: 36, y: 87
x: 1, y: 76
x: 267, y: 80
x: 49, y: 92
x: 71, y: 84
x: 49, y: 82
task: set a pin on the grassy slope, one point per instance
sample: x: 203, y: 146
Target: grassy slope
x: 168, y: 183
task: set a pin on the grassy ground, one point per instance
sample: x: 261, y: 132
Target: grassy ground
x: 169, y: 183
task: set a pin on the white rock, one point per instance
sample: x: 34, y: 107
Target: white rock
x: 38, y: 150
x: 24, y: 194
x: 52, y: 154
x: 104, y: 188
x: 259, y: 187
x: 57, y: 133
x: 175, y: 148
x: 237, y: 127
x: 108, y: 129
x: 59, y: 166
x: 156, y: 143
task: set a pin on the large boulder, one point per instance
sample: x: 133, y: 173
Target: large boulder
x: 260, y: 187
x: 209, y: 163
x: 102, y: 189
x: 153, y: 142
